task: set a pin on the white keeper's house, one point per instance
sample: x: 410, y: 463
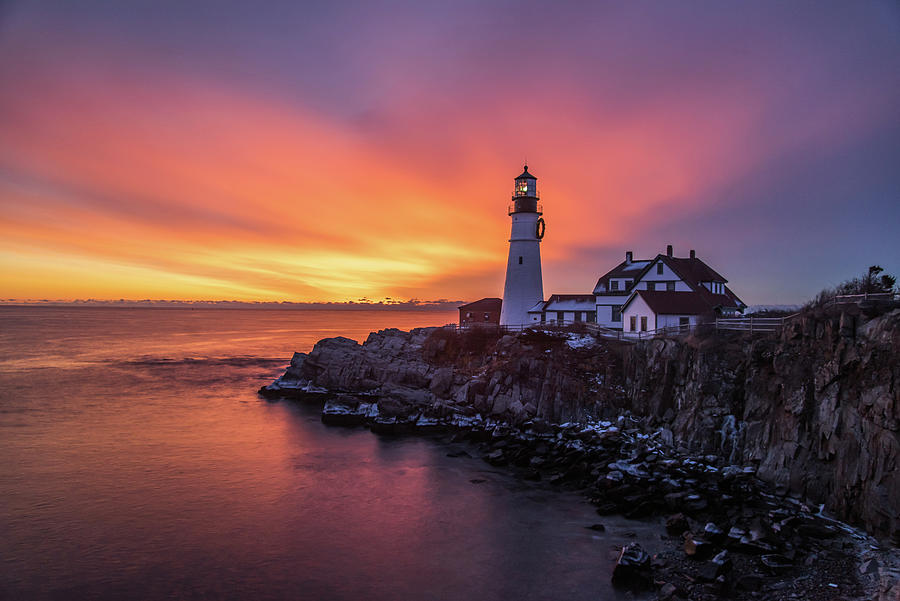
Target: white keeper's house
x: 647, y: 294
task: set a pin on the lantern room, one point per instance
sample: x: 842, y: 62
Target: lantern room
x: 525, y: 195
x: 526, y: 185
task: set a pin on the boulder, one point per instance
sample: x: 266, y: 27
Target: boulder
x: 697, y: 548
x: 677, y: 524
x: 776, y: 564
x: 632, y: 569
x: 441, y: 382
x: 714, y: 568
x: 342, y: 412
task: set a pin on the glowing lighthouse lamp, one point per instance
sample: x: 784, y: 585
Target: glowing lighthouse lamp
x: 524, y: 286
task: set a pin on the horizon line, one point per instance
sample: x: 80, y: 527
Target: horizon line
x: 438, y: 304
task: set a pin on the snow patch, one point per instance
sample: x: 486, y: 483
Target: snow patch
x: 576, y: 341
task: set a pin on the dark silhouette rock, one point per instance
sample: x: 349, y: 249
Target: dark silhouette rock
x: 776, y: 564
x: 814, y: 408
x: 632, y: 569
x: 677, y: 524
x: 697, y: 548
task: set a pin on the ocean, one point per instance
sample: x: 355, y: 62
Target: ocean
x: 138, y: 462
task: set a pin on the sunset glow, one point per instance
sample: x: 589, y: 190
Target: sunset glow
x: 199, y: 154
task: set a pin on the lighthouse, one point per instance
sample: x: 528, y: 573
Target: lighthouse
x: 524, y: 287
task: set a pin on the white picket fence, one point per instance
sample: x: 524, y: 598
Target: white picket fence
x: 753, y: 324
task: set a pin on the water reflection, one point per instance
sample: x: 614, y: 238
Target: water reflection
x: 171, y: 479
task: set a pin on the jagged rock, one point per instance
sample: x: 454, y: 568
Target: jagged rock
x: 633, y: 568
x: 668, y: 591
x: 869, y: 567
x: 343, y: 412
x: 388, y: 425
x: 776, y: 564
x: 677, y: 524
x: 441, y: 382
x: 816, y: 530
x: 812, y: 411
x: 713, y: 533
x: 697, y: 548
x: 716, y: 567
x: 496, y: 458
x: 607, y: 508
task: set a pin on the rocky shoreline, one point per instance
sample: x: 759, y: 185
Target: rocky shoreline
x: 729, y: 535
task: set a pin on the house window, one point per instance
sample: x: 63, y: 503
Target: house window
x: 614, y: 284
x: 487, y: 316
x: 560, y: 316
x: 577, y: 315
x: 591, y: 316
x: 628, y: 284
x: 651, y: 285
x: 683, y: 321
x: 659, y: 269
x: 670, y: 286
x: 617, y: 313
x: 643, y: 323
x: 469, y: 314
x: 520, y: 260
x: 633, y: 323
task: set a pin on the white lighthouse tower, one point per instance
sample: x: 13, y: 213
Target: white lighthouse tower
x: 524, y: 286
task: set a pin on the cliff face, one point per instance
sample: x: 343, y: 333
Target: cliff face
x: 817, y: 410
x: 437, y: 371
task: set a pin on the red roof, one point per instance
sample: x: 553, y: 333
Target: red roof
x: 485, y: 304
x: 664, y: 302
x: 692, y: 270
x: 728, y: 299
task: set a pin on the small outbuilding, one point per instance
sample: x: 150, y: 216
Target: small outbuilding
x: 482, y: 312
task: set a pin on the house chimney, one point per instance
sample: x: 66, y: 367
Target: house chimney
x: 693, y: 254
x: 669, y: 250
x: 628, y: 257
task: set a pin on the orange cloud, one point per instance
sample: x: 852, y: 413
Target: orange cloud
x: 155, y: 185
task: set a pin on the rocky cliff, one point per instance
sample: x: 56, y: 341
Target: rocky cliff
x: 817, y: 410
x: 556, y: 378
x: 703, y: 429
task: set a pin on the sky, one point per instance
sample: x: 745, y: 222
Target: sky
x: 334, y: 151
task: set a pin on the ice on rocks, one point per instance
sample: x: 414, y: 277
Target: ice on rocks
x: 577, y: 341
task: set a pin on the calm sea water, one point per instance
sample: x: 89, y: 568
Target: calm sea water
x: 137, y: 461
